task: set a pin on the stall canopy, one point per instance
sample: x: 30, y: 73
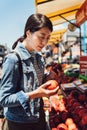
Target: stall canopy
x: 56, y: 36
x: 57, y: 10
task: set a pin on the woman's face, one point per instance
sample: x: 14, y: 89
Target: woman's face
x: 37, y: 40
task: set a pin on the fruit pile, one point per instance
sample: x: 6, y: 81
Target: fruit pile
x: 77, y: 107
x: 68, y: 113
x: 56, y: 73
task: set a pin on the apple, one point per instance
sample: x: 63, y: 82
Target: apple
x: 52, y: 84
x: 81, y: 97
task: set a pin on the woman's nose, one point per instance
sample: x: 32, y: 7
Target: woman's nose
x: 45, y: 41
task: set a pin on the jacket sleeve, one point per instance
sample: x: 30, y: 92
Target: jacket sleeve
x: 9, y: 97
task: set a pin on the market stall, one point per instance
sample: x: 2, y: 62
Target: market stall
x: 68, y: 108
x: 54, y: 8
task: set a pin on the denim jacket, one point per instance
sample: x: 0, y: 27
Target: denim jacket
x: 17, y: 106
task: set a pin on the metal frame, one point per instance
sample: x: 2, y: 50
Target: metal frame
x: 60, y: 15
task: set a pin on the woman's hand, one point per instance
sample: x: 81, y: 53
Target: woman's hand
x: 45, y: 92
x: 42, y: 91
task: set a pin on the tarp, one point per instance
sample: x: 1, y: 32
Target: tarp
x: 56, y: 36
x: 58, y: 11
x: 54, y: 9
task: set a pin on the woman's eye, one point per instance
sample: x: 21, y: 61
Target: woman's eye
x: 48, y: 38
x: 42, y: 37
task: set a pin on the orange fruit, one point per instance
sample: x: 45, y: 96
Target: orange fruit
x: 54, y: 128
x: 69, y: 121
x: 53, y: 84
x: 62, y: 126
x: 72, y: 127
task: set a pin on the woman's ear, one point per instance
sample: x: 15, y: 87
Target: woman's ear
x: 28, y: 33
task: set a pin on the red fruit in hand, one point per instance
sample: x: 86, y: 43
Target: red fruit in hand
x: 52, y: 84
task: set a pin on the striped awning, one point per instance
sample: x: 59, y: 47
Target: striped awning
x: 56, y: 36
x: 57, y: 10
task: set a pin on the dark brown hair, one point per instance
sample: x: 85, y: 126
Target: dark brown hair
x: 34, y: 23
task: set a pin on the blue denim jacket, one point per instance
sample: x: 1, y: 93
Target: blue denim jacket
x: 17, y: 106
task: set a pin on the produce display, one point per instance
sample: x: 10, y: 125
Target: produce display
x: 77, y: 107
x: 68, y: 113
x: 56, y: 72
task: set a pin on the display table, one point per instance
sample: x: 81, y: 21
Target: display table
x: 69, y: 105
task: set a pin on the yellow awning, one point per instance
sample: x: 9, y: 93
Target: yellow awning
x: 54, y: 9
x: 56, y: 36
x: 58, y: 12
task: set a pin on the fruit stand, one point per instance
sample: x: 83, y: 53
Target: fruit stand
x: 67, y: 110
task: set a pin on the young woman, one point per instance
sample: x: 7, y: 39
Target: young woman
x: 21, y: 93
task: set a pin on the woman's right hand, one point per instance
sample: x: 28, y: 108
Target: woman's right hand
x: 42, y: 91
x: 46, y: 92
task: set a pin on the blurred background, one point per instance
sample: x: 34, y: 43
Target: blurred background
x: 68, y: 41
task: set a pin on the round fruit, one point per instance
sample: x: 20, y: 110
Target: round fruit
x: 72, y: 127
x: 54, y: 128
x: 62, y: 126
x: 84, y: 120
x: 52, y: 84
x: 69, y: 121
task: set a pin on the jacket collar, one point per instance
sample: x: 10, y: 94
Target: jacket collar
x: 24, y: 53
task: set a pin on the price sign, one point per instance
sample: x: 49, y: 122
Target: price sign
x: 83, y: 65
